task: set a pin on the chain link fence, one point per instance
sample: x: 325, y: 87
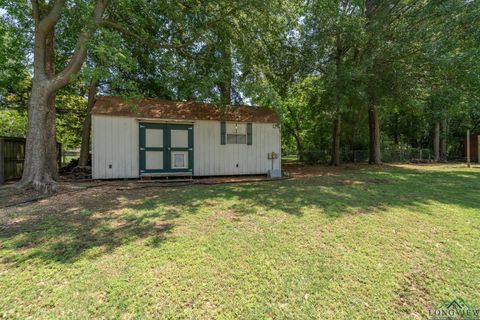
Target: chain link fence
x: 389, y: 154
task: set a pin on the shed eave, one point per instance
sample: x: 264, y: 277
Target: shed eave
x: 159, y: 120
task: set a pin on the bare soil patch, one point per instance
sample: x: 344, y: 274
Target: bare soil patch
x: 10, y: 196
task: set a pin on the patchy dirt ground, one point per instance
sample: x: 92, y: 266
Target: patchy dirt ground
x: 10, y: 196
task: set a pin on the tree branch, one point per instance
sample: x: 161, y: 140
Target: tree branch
x: 156, y: 45
x: 42, y: 28
x: 35, y: 11
x: 80, y: 54
x: 46, y: 24
x: 147, y: 42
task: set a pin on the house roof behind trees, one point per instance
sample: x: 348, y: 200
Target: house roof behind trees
x: 181, y: 110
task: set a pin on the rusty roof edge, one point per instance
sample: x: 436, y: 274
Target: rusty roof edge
x: 214, y: 105
x: 116, y: 106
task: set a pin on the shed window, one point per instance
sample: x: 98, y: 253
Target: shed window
x: 236, y: 133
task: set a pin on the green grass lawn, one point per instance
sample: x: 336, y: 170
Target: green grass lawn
x: 290, y: 159
x: 367, y: 243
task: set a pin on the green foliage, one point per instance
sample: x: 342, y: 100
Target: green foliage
x: 147, y: 48
x: 418, y: 62
x: 14, y: 77
x: 13, y: 123
x: 71, y: 111
x: 70, y: 115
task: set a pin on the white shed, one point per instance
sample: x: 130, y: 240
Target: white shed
x: 161, y: 138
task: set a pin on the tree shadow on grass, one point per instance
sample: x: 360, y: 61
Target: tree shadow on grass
x: 98, y: 221
x: 359, y: 191
x: 64, y: 237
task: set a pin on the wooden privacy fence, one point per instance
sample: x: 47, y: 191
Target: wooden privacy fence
x: 474, y: 148
x: 12, y: 155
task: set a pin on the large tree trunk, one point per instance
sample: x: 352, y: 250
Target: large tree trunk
x: 436, y: 142
x: 52, y: 156
x: 87, y: 124
x: 38, y: 170
x: 337, y: 127
x: 375, y: 153
x: 443, y: 141
x: 337, y: 124
x: 371, y: 9
x: 40, y: 165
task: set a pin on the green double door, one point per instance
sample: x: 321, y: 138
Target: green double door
x: 166, y: 148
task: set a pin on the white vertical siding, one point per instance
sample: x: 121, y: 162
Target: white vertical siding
x: 212, y: 158
x: 115, y: 142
